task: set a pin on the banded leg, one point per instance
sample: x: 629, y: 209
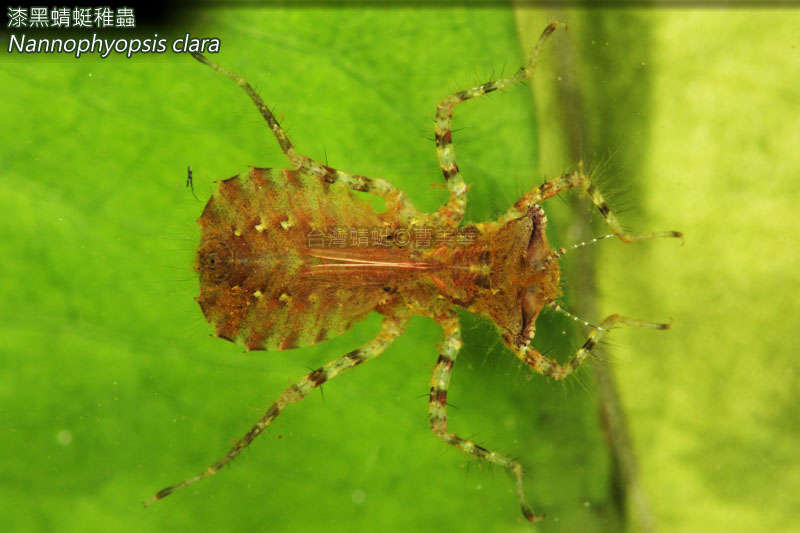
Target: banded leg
x: 572, y: 180
x: 395, y: 199
x: 280, y: 135
x: 391, y: 329
x: 437, y: 410
x: 453, y: 210
x: 549, y: 367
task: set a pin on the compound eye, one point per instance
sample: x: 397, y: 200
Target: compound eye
x: 538, y: 249
x: 531, y: 307
x: 214, y: 261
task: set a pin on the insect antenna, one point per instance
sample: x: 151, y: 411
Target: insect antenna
x: 555, y: 307
x: 562, y: 251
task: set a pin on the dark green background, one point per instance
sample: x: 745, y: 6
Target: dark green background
x: 112, y: 388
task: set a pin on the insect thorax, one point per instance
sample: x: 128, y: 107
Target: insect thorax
x: 518, y: 274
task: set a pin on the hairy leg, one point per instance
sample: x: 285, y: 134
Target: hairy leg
x: 391, y: 329
x: 573, y: 180
x: 395, y: 199
x: 549, y: 367
x: 453, y: 210
x: 280, y: 135
x: 437, y: 409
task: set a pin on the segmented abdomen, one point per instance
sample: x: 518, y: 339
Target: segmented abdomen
x: 254, y: 264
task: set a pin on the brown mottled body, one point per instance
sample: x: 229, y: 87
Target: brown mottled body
x: 254, y: 260
x: 263, y: 285
x: 267, y: 281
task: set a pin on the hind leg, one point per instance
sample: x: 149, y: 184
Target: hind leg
x: 391, y: 329
x: 394, y: 198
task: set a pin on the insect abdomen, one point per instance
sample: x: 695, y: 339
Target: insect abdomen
x: 254, y: 257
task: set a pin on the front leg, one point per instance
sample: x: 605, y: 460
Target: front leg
x: 573, y: 180
x: 437, y: 409
x: 552, y: 369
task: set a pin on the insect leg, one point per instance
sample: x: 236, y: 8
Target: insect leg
x: 395, y: 199
x: 390, y: 330
x: 283, y: 140
x: 437, y: 410
x: 453, y: 210
x: 572, y: 180
x: 549, y: 367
